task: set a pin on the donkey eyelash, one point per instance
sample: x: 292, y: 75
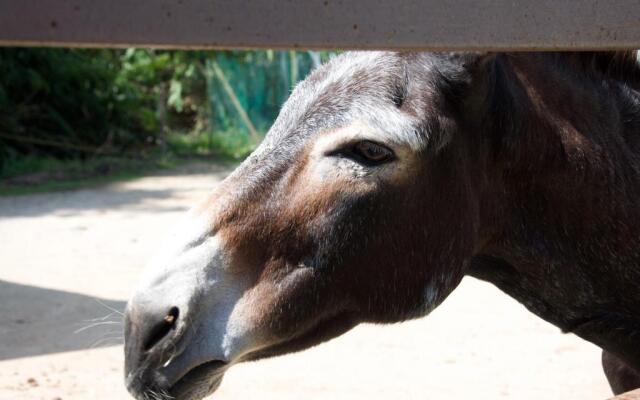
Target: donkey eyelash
x: 362, y: 152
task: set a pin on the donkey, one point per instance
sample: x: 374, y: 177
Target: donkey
x: 385, y: 179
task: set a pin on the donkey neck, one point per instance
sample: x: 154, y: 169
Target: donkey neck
x: 565, y: 236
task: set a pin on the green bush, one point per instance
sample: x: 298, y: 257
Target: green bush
x: 59, y: 102
x: 75, y: 104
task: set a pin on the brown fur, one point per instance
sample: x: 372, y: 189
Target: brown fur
x: 527, y: 177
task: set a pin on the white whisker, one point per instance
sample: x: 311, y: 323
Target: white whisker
x: 109, y: 307
x: 106, y: 340
x: 96, y: 324
x: 106, y: 317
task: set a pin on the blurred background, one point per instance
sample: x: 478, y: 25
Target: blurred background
x: 69, y: 114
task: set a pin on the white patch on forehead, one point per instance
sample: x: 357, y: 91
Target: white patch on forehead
x: 341, y: 75
x: 348, y: 64
x: 389, y: 126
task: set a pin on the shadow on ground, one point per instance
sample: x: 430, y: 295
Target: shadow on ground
x: 35, y: 320
x: 112, y: 196
x: 71, y: 203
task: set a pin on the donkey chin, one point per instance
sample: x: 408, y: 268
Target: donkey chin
x: 167, y: 354
x: 190, y: 321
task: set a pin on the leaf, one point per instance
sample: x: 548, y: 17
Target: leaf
x: 175, y: 95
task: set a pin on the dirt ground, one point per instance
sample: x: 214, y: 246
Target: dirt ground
x: 69, y: 260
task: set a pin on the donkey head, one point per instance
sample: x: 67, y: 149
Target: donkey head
x: 359, y: 206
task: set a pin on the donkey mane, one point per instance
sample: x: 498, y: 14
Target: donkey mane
x: 618, y: 65
x: 599, y: 84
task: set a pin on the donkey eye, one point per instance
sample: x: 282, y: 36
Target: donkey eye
x: 372, y: 153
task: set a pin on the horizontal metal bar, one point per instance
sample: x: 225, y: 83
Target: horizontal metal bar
x: 330, y: 24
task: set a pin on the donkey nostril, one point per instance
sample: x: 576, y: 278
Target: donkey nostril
x: 159, y: 331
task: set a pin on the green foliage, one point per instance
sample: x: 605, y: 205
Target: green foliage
x: 75, y: 104
x: 225, y: 145
x: 59, y: 102
x: 30, y: 163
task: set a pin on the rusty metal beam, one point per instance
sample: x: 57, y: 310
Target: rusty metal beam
x: 363, y: 24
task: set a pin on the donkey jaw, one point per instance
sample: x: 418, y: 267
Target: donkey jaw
x: 199, y: 382
x: 186, y: 321
x: 195, y: 384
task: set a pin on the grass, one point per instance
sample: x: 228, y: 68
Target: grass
x: 226, y: 145
x: 29, y: 174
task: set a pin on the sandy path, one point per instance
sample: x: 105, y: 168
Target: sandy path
x: 61, y: 251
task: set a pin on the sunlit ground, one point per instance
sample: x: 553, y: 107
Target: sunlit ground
x: 69, y: 260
